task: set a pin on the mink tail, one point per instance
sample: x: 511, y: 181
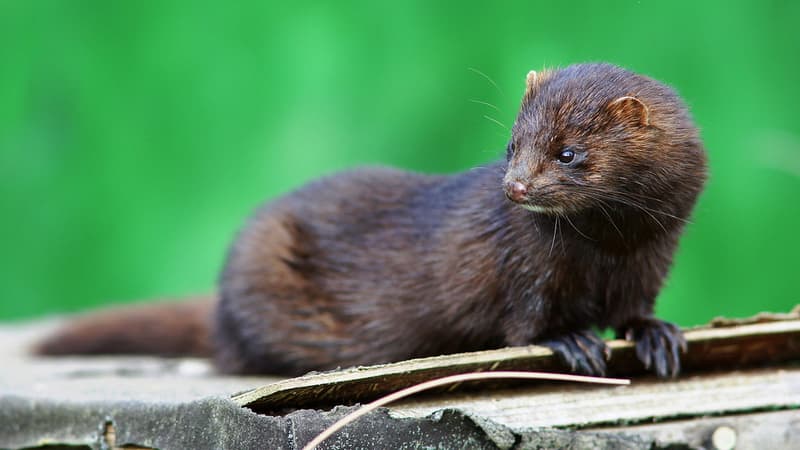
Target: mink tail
x: 163, y: 329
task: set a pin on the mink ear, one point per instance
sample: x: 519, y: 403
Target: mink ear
x: 630, y: 109
x: 533, y: 81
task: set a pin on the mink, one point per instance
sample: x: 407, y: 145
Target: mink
x: 573, y: 231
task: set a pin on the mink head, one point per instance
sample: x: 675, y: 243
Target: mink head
x: 593, y: 133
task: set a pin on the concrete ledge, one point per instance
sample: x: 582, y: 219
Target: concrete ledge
x: 111, y: 402
x: 216, y: 423
x: 143, y: 402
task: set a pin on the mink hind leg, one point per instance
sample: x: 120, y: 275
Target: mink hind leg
x: 272, y: 316
x: 279, y: 333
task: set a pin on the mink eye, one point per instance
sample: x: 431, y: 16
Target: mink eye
x: 566, y: 156
x: 510, y: 149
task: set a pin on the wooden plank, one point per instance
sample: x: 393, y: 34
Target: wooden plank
x: 776, y: 430
x: 644, y: 401
x: 766, y: 341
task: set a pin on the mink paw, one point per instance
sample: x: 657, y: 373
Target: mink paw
x: 583, y: 351
x: 658, y: 344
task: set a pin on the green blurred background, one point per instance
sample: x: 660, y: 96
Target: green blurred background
x: 135, y: 137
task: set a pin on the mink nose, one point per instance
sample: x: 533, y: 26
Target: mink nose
x: 516, y: 191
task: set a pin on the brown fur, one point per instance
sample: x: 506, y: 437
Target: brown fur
x: 164, y: 329
x: 378, y: 265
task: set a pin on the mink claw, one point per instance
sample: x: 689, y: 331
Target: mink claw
x: 582, y: 351
x: 658, y: 345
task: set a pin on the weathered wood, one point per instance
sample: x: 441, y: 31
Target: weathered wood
x: 709, y: 348
x: 184, y: 404
x: 360, y: 384
x: 766, y: 430
x: 644, y: 401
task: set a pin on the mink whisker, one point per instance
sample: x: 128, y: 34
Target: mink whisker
x: 495, y: 121
x: 601, y: 203
x: 576, y: 229
x: 489, y: 79
x: 485, y: 104
x: 553, y: 242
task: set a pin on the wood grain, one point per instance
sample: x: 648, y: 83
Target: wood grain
x: 710, y: 348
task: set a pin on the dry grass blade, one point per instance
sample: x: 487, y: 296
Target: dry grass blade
x: 341, y: 423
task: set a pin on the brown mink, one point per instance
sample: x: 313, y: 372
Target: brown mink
x: 574, y: 230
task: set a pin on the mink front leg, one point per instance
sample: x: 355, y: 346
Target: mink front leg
x: 658, y: 344
x: 583, y: 351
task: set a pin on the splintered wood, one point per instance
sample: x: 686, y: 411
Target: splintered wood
x: 771, y: 339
